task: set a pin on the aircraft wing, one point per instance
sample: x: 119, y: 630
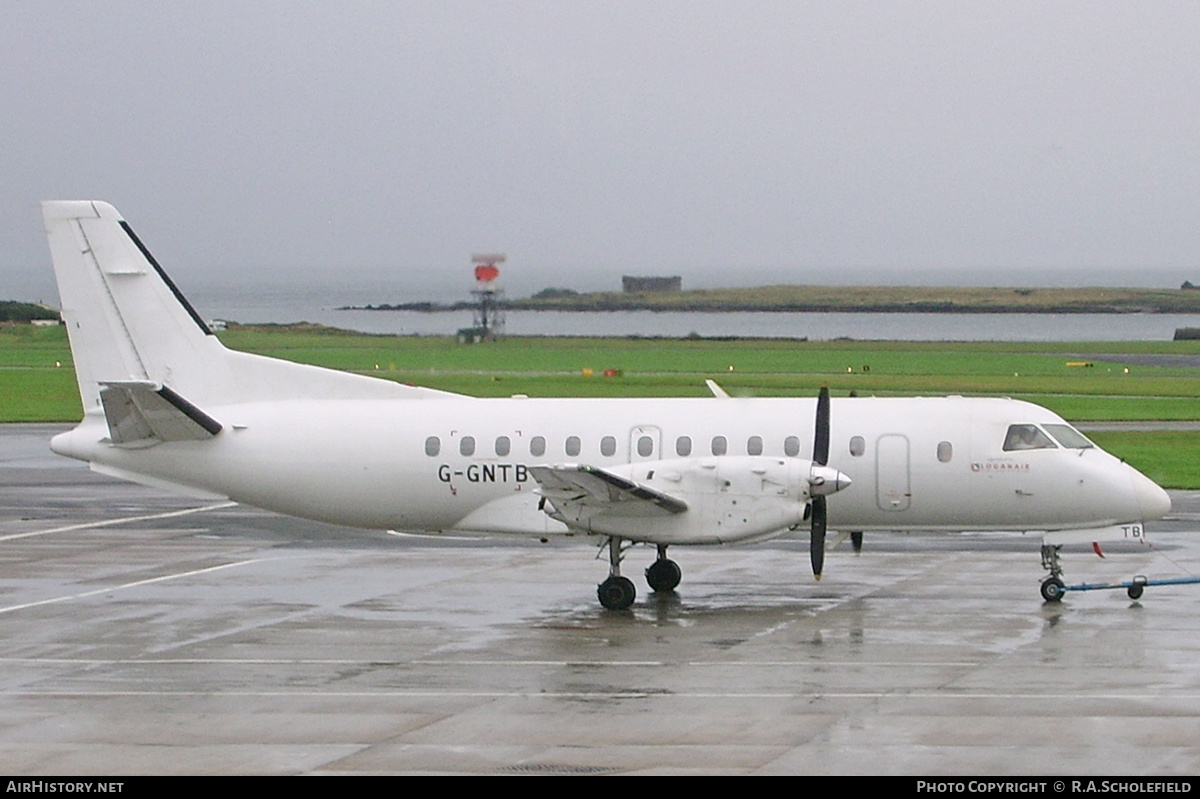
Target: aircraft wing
x: 141, y: 412
x: 580, y: 492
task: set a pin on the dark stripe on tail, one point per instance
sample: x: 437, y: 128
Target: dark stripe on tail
x: 190, y: 411
x: 178, y: 294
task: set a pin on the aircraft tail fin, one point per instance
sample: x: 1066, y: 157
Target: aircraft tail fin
x: 125, y: 319
x: 132, y: 329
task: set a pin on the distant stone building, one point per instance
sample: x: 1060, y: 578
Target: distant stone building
x: 632, y: 284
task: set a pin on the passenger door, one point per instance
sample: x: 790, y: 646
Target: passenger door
x: 893, y: 486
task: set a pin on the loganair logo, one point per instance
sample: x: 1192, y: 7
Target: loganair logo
x: 1000, y: 466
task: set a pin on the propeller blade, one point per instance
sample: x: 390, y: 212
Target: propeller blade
x: 816, y: 546
x: 821, y: 436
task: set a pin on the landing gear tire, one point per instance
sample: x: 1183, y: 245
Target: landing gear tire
x: 663, y: 575
x: 1135, y: 591
x: 1053, y: 589
x: 616, y: 593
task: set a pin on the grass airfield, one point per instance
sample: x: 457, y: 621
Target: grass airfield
x: 1138, y: 381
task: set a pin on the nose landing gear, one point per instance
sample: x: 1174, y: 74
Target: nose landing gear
x: 1053, y: 589
x: 1053, y: 586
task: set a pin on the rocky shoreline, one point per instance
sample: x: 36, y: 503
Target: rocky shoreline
x: 849, y: 299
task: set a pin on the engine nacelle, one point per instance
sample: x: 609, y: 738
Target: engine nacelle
x: 728, y: 499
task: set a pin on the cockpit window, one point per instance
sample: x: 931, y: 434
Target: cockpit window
x: 1026, y: 436
x: 1068, y: 436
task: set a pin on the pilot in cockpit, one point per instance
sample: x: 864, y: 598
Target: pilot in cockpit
x: 1026, y: 436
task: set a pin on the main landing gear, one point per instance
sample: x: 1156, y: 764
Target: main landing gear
x: 663, y: 574
x: 618, y: 593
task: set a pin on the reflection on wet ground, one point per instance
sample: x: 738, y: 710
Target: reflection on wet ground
x: 235, y: 641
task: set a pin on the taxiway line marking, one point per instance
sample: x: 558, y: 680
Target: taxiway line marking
x: 134, y: 584
x: 477, y: 663
x: 773, y: 695
x: 122, y: 520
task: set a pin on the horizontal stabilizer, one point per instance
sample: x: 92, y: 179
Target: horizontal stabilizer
x: 140, y: 412
x: 578, y: 491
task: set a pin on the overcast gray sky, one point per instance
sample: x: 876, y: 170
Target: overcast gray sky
x: 730, y: 142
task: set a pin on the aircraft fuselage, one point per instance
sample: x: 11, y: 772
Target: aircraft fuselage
x: 167, y: 404
x: 463, y: 464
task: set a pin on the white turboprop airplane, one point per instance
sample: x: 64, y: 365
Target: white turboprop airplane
x: 167, y: 405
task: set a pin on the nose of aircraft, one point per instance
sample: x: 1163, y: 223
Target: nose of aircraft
x: 1153, y: 502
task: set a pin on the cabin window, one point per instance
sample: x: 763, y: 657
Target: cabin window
x: 466, y: 445
x: 572, y: 446
x: 791, y: 446
x: 683, y: 446
x: 1026, y: 436
x: 1068, y: 436
x: 754, y: 445
x: 719, y: 445
x: 858, y: 445
x: 537, y: 446
x: 433, y: 445
x: 945, y: 451
x: 503, y: 446
x: 645, y: 446
x: 608, y: 446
